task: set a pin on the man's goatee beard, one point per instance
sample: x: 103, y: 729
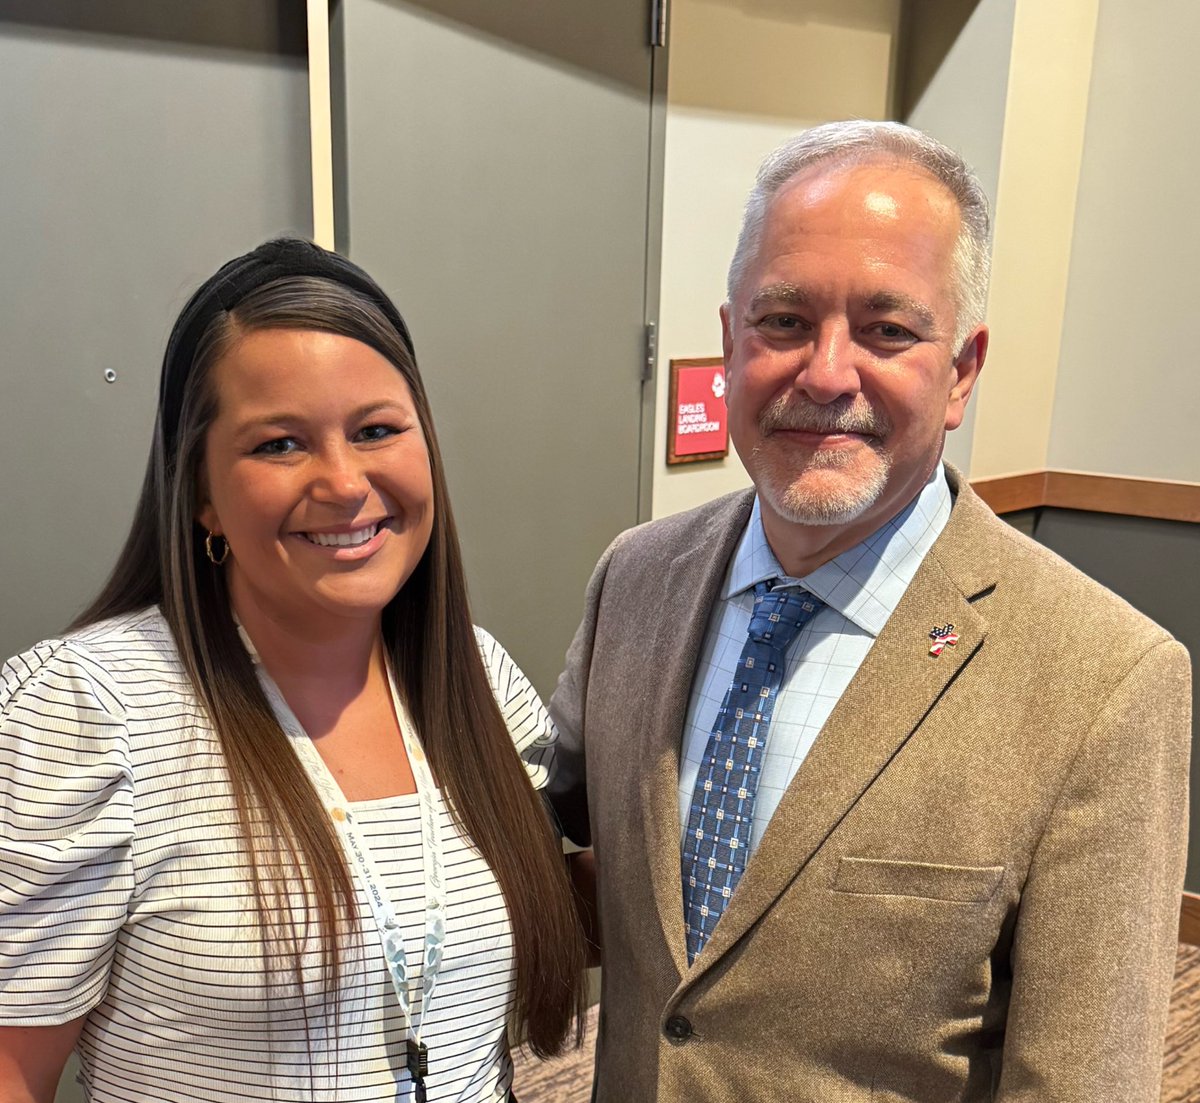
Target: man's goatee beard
x: 785, y: 492
x: 782, y: 486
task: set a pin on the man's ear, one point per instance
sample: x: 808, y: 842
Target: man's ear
x: 726, y: 334
x: 966, y: 370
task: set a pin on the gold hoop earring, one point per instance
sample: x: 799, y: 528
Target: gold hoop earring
x: 208, y: 548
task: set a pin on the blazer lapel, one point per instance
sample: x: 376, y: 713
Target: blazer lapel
x: 692, y: 586
x: 893, y: 691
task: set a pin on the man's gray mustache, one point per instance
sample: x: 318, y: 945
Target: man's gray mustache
x: 822, y: 419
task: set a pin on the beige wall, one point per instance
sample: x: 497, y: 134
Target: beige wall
x: 744, y: 75
x: 1127, y: 400
x: 1094, y: 258
x: 1045, y: 112
x: 1095, y: 250
x: 1075, y: 114
x: 948, y: 47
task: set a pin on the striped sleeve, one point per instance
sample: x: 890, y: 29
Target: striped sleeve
x: 529, y: 723
x: 66, y: 828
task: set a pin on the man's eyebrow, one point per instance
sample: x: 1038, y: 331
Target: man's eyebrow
x: 779, y: 294
x: 883, y: 301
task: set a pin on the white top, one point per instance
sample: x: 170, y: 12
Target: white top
x: 123, y: 896
x: 861, y: 587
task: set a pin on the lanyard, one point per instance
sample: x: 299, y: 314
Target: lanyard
x: 363, y: 863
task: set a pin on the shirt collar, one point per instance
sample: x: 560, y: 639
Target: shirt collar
x: 866, y: 582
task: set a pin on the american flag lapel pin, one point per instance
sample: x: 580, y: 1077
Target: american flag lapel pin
x: 942, y: 637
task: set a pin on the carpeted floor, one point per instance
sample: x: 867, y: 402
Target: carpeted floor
x: 1181, y: 1063
x: 563, y: 1080
x: 569, y: 1079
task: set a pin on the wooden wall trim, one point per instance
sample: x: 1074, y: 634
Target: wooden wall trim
x: 1160, y: 498
x: 1189, y: 919
x: 1009, y: 493
x: 1171, y: 501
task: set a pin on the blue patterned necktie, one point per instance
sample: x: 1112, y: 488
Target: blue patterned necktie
x: 716, y: 844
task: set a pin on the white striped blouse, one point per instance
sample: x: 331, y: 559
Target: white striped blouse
x: 124, y: 897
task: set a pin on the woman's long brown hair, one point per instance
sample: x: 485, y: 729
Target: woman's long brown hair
x: 430, y: 639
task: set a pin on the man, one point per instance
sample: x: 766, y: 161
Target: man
x: 887, y: 802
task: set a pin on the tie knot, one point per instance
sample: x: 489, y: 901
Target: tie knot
x: 780, y: 614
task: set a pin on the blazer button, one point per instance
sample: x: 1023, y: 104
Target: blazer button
x: 678, y: 1030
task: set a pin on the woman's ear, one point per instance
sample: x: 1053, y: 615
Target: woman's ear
x: 206, y: 516
x: 206, y: 512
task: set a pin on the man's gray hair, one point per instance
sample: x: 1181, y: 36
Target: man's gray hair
x: 859, y: 141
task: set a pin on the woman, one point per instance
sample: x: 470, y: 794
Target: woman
x: 266, y: 835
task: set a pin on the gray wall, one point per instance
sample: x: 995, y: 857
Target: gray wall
x: 144, y: 144
x: 1150, y: 563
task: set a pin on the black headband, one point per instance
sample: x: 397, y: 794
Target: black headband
x: 231, y: 284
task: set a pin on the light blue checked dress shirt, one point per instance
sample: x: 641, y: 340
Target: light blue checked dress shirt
x: 861, y: 587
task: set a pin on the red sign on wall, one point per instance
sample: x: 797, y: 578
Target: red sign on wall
x: 699, y: 425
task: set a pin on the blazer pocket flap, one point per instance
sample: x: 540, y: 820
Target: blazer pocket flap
x: 881, y: 877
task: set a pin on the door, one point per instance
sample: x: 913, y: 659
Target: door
x: 493, y: 171
x: 144, y: 144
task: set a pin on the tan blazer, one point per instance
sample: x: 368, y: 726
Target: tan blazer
x: 969, y: 892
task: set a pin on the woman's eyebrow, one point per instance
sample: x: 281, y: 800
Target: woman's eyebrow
x: 285, y: 419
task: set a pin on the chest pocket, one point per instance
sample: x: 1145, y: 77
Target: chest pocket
x: 923, y: 880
